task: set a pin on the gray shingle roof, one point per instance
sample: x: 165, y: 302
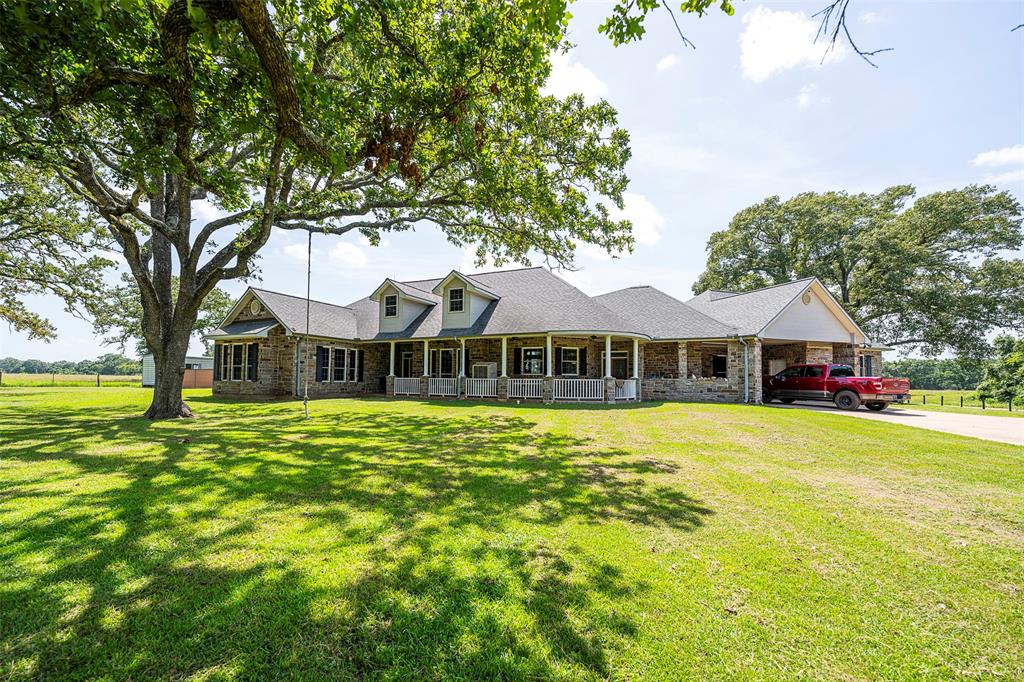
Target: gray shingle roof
x: 325, y: 319
x: 536, y: 301
x: 244, y: 328
x: 749, y: 312
x: 658, y: 315
x: 532, y: 300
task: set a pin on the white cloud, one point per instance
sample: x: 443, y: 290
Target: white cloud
x: 807, y: 96
x: 667, y: 62
x: 1000, y: 157
x: 869, y: 17
x: 569, y: 76
x: 647, y: 221
x: 1014, y: 177
x: 295, y: 251
x: 773, y: 42
x: 347, y: 253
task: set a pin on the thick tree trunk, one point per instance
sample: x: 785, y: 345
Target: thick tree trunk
x: 169, y: 362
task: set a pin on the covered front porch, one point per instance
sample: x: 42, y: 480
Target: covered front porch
x: 549, y: 368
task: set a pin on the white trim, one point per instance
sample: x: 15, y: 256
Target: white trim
x: 395, y: 314
x: 462, y: 301
x: 561, y: 369
x: 522, y: 361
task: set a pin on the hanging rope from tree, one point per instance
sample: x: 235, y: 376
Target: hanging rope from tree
x: 305, y: 372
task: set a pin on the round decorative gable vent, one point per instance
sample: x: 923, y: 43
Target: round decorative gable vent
x: 806, y: 298
x: 255, y: 307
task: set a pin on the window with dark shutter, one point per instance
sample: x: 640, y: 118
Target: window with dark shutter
x: 254, y: 362
x: 359, y: 364
x: 237, y: 350
x: 322, y: 363
x: 350, y: 366
x: 217, y: 358
x: 583, y: 362
x: 558, y: 362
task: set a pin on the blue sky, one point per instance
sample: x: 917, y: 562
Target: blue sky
x: 750, y: 113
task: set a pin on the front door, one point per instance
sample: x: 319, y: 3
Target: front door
x: 405, y: 369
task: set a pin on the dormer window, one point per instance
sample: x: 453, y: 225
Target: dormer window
x: 391, y: 305
x: 455, y: 300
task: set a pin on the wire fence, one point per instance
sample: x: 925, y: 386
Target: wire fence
x: 26, y: 379
x: 967, y: 400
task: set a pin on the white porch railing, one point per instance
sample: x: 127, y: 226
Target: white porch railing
x: 578, y: 389
x: 407, y: 386
x: 481, y: 388
x: 447, y: 387
x: 626, y: 389
x: 525, y: 388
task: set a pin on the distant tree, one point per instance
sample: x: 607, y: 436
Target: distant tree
x: 929, y: 276
x: 1004, y: 375
x: 937, y: 374
x: 331, y: 117
x: 47, y: 245
x: 120, y: 314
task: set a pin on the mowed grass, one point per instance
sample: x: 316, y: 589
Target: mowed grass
x: 65, y: 380
x: 411, y: 540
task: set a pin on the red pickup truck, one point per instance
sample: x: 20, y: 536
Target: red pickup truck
x: 837, y: 383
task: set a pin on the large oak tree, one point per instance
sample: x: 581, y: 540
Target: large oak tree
x: 936, y: 274
x: 318, y: 115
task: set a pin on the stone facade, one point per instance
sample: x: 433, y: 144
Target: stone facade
x: 275, y: 375
x: 686, y: 386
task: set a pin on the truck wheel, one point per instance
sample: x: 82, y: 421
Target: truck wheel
x: 787, y: 401
x: 876, y: 407
x: 847, y: 400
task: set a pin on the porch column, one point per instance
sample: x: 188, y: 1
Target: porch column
x: 504, y: 356
x: 391, y: 371
x: 426, y: 358
x: 636, y: 359
x: 608, y: 356
x: 548, y: 356
x: 462, y: 359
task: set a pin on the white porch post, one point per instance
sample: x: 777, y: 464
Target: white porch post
x: 608, y: 356
x: 636, y: 358
x: 462, y: 359
x: 504, y: 356
x: 391, y: 371
x: 547, y: 356
x: 426, y: 358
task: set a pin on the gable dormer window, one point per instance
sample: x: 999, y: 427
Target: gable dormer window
x: 455, y: 300
x: 391, y: 305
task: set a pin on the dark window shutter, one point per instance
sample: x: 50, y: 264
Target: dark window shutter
x: 517, y: 360
x: 254, y: 361
x: 558, y: 361
x: 583, y: 362
x: 321, y: 363
x: 359, y: 363
x: 217, y: 350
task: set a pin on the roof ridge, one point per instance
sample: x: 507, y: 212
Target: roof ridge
x: 770, y: 286
x: 312, y: 300
x: 474, y: 274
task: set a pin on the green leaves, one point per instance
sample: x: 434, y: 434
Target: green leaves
x: 933, y: 275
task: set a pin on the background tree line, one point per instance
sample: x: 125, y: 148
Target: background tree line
x: 109, y: 363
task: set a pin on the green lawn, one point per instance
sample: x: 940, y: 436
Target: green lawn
x: 64, y: 380
x: 416, y: 541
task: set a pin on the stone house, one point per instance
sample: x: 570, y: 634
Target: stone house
x: 530, y: 335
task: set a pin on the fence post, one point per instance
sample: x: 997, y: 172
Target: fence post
x: 1, y: 378
x: 942, y: 401
x: 97, y: 379
x: 983, y: 402
x: 53, y: 379
x: 924, y: 399
x: 961, y: 401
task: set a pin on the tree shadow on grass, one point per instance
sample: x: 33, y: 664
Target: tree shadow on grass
x: 371, y: 543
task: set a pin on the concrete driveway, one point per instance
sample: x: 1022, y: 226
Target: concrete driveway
x: 1002, y: 429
